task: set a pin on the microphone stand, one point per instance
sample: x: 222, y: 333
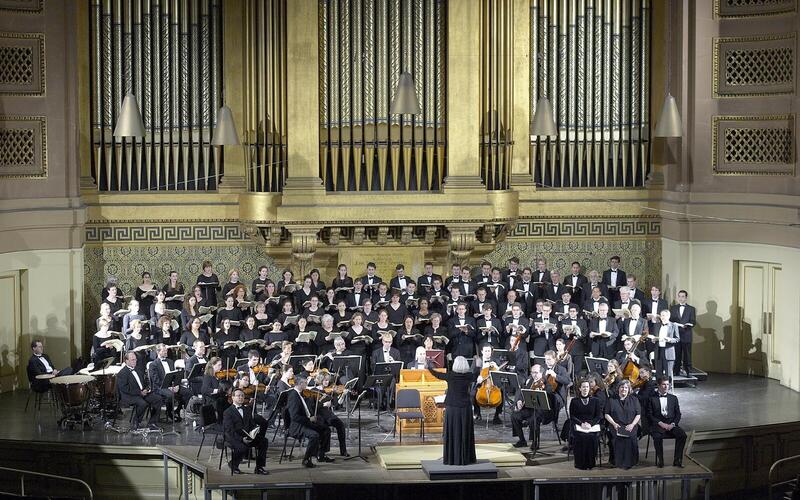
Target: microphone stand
x: 357, y: 405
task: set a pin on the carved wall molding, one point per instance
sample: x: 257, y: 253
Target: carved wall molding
x: 23, y: 147
x: 22, y: 6
x: 740, y: 9
x: 22, y: 64
x: 754, y: 65
x: 753, y: 145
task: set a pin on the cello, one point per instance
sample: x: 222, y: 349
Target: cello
x: 489, y: 395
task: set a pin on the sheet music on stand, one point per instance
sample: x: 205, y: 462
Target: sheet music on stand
x: 597, y: 365
x: 535, y: 399
x: 197, y: 370
x: 340, y: 364
x: 297, y: 362
x: 507, y: 381
x: 500, y: 356
x: 392, y: 368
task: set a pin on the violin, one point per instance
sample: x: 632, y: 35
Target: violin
x: 334, y: 389
x: 226, y: 374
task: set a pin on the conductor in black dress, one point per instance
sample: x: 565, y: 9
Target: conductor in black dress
x: 459, y: 434
x: 237, y: 420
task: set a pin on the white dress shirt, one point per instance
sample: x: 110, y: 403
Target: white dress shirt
x: 47, y: 367
x: 663, y: 400
x: 136, y: 376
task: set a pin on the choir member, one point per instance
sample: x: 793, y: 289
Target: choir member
x: 585, y: 414
x: 145, y: 293
x: 623, y: 415
x: 209, y: 283
x: 683, y: 315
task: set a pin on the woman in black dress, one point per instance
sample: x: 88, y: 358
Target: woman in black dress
x: 342, y: 282
x: 459, y: 433
x: 623, y: 416
x: 584, y: 412
x: 145, y: 294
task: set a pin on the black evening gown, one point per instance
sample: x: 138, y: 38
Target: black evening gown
x: 459, y: 433
x: 626, y: 449
x: 585, y: 443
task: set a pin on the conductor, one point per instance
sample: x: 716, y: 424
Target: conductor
x: 459, y: 434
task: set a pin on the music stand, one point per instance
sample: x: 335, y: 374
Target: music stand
x: 239, y: 362
x: 597, y: 365
x: 537, y: 400
x: 172, y: 379
x: 500, y: 356
x: 357, y: 405
x: 378, y: 382
x: 350, y: 364
x: 508, y: 382
x: 280, y: 404
x: 435, y: 357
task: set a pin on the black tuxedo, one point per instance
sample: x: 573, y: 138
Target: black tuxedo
x: 673, y: 416
x: 493, y: 339
x: 376, y: 280
x: 639, y: 295
x: 36, y: 367
x: 604, y: 347
x: 467, y: 287
x: 553, y: 291
x: 683, y: 350
x: 475, y: 306
x: 378, y: 357
x: 462, y: 344
x: 622, y: 279
x: 586, y: 293
x: 425, y: 282
x: 234, y: 423
x: 576, y: 295
x: 351, y: 302
x: 300, y: 425
x: 589, y: 304
x: 523, y: 322
x: 131, y: 395
x: 581, y: 345
x: 545, y: 341
x: 157, y: 375
x: 395, y: 283
x: 509, y: 278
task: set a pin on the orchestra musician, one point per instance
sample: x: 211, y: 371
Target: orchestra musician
x: 523, y: 415
x: 158, y: 370
x: 573, y: 327
x: 325, y: 415
x: 198, y: 358
x: 303, y: 423
x: 134, y: 390
x: 485, y: 361
x: 40, y: 364
x: 237, y: 421
x: 386, y: 353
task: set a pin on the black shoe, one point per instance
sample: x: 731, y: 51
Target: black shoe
x: 234, y: 470
x: 326, y: 459
x: 262, y: 471
x: 520, y: 444
x: 154, y: 427
x: 478, y: 418
x: 659, y: 463
x: 308, y: 463
x: 678, y: 463
x: 345, y: 455
x: 497, y: 420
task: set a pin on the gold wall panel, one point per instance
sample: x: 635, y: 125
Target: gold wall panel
x: 753, y: 145
x: 739, y: 9
x: 22, y: 64
x: 385, y: 259
x: 754, y: 66
x: 23, y: 147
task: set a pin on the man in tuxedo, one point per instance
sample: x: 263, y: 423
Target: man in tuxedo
x: 527, y: 292
x: 575, y: 282
x: 592, y: 281
x: 595, y: 299
x: 497, y: 287
x: 455, y: 277
x: 400, y: 281
x: 625, y: 300
x: 199, y: 357
x: 467, y: 286
x: 484, y: 275
x: 303, y: 424
x: 603, y: 347
x: 544, y: 335
x: 512, y: 273
x: 487, y: 320
x: 133, y: 390
x: 580, y: 347
x: 484, y: 361
x: 425, y: 282
x: 633, y: 291
x: 685, y: 315
x: 410, y: 298
x: 481, y: 300
x: 665, y: 336
x: 652, y: 307
x: 236, y: 422
x: 158, y: 370
x: 554, y: 289
x: 357, y: 297
x: 613, y: 278
x: 386, y: 354
x: 370, y: 280
x: 40, y: 364
x: 541, y: 276
x: 462, y: 333
x: 561, y: 307
x: 664, y: 415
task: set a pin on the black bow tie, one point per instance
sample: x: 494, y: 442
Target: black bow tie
x: 662, y: 396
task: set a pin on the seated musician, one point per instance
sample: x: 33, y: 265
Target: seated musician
x: 39, y: 364
x: 555, y: 382
x: 524, y: 415
x: 134, y: 390
x: 564, y: 358
x: 664, y: 415
x: 485, y: 361
x: 339, y: 349
x: 211, y: 390
x: 287, y: 377
x: 421, y: 361
x: 283, y: 357
x: 303, y: 424
x: 628, y: 353
x: 251, y: 390
x: 325, y: 414
x: 198, y: 358
x: 254, y: 369
x: 158, y: 370
x: 236, y: 422
x: 386, y: 354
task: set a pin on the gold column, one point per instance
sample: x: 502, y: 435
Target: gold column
x: 302, y: 97
x: 463, y: 95
x: 520, y: 125
x: 462, y: 242
x: 234, y: 82
x: 304, y: 246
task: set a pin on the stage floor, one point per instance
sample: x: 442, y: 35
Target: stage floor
x: 722, y: 402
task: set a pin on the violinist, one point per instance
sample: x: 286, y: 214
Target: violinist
x: 211, y: 390
x: 646, y: 388
x: 304, y: 423
x: 282, y: 358
x: 254, y: 369
x: 325, y: 415
x: 598, y: 389
x: 564, y: 358
x: 613, y: 377
x: 287, y: 378
x: 489, y: 327
x: 557, y: 378
x: 523, y: 415
x: 485, y: 361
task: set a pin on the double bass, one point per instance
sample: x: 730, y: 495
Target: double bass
x: 489, y: 395
x: 631, y: 369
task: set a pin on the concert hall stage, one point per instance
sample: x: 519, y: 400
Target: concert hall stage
x: 741, y: 425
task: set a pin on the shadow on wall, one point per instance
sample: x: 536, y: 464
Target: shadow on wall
x: 713, y: 336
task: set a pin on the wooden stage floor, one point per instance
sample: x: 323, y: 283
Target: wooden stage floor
x: 722, y: 402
